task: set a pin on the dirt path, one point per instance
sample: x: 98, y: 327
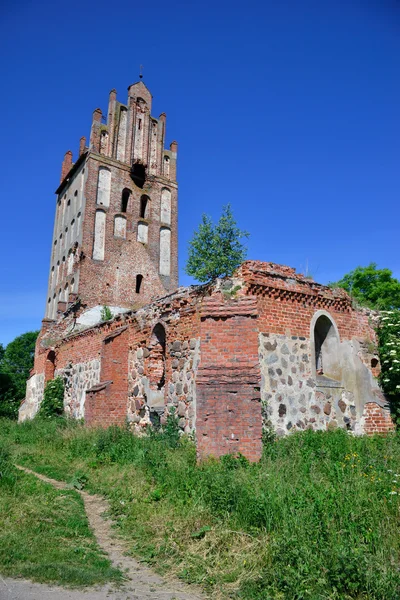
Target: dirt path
x: 142, y: 583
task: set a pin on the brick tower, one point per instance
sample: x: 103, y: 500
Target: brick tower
x: 115, y: 230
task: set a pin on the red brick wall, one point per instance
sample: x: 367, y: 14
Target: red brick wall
x: 377, y: 419
x: 106, y: 403
x: 228, y: 416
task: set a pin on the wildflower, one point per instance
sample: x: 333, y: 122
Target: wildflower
x: 392, y: 493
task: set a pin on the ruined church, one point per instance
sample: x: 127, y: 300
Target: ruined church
x: 267, y: 350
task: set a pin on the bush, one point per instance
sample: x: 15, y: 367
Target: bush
x: 53, y: 399
x: 389, y: 352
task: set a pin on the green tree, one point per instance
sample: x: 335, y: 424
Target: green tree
x: 216, y: 250
x: 372, y: 287
x: 16, y: 360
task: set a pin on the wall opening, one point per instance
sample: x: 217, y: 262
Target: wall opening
x: 139, y: 279
x: 166, y: 166
x: 156, y: 360
x: 126, y: 194
x: 50, y: 366
x: 326, y: 349
x: 144, y: 207
x: 138, y: 174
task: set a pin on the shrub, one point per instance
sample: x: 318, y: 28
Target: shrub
x: 389, y: 352
x: 53, y: 399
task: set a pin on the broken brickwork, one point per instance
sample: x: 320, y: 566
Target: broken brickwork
x: 266, y: 351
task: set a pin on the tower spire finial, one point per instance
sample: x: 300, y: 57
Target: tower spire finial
x: 141, y: 72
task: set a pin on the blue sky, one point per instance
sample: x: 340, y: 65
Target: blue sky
x: 287, y: 109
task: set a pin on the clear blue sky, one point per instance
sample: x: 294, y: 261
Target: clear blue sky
x: 287, y: 109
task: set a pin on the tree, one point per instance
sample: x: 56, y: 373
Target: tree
x: 16, y: 360
x: 372, y: 287
x: 216, y: 250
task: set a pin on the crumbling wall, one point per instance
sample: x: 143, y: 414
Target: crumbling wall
x: 228, y: 418
x: 33, y: 398
x: 77, y: 379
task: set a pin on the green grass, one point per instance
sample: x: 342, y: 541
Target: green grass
x: 318, y: 518
x: 44, y: 533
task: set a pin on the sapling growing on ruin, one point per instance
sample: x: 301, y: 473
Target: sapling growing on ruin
x: 216, y: 250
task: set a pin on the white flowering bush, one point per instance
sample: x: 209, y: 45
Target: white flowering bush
x: 389, y: 352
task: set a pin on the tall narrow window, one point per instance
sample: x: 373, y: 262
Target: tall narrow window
x: 121, y: 134
x: 99, y: 235
x: 144, y: 207
x: 166, y: 166
x: 104, y: 187
x: 126, y: 194
x: 166, y: 206
x: 326, y: 349
x: 165, y: 251
x: 50, y: 366
x: 139, y: 279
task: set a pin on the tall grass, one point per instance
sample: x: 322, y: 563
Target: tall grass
x: 317, y: 518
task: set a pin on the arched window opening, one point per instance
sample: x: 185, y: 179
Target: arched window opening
x: 374, y: 363
x: 144, y: 207
x: 139, y: 279
x: 138, y: 174
x: 166, y: 166
x: 50, y: 366
x: 156, y: 359
x: 126, y: 194
x: 326, y: 344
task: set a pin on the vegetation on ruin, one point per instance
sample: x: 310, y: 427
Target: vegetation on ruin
x: 216, y: 249
x: 318, y: 517
x: 16, y: 360
x: 105, y: 313
x: 52, y: 404
x: 44, y: 533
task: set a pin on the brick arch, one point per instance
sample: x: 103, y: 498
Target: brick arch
x: 50, y: 366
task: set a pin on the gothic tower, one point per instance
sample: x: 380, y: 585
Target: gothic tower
x: 115, y: 230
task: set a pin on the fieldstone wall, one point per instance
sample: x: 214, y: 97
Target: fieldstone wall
x: 33, y: 398
x: 179, y: 391
x: 292, y: 399
x: 77, y: 379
